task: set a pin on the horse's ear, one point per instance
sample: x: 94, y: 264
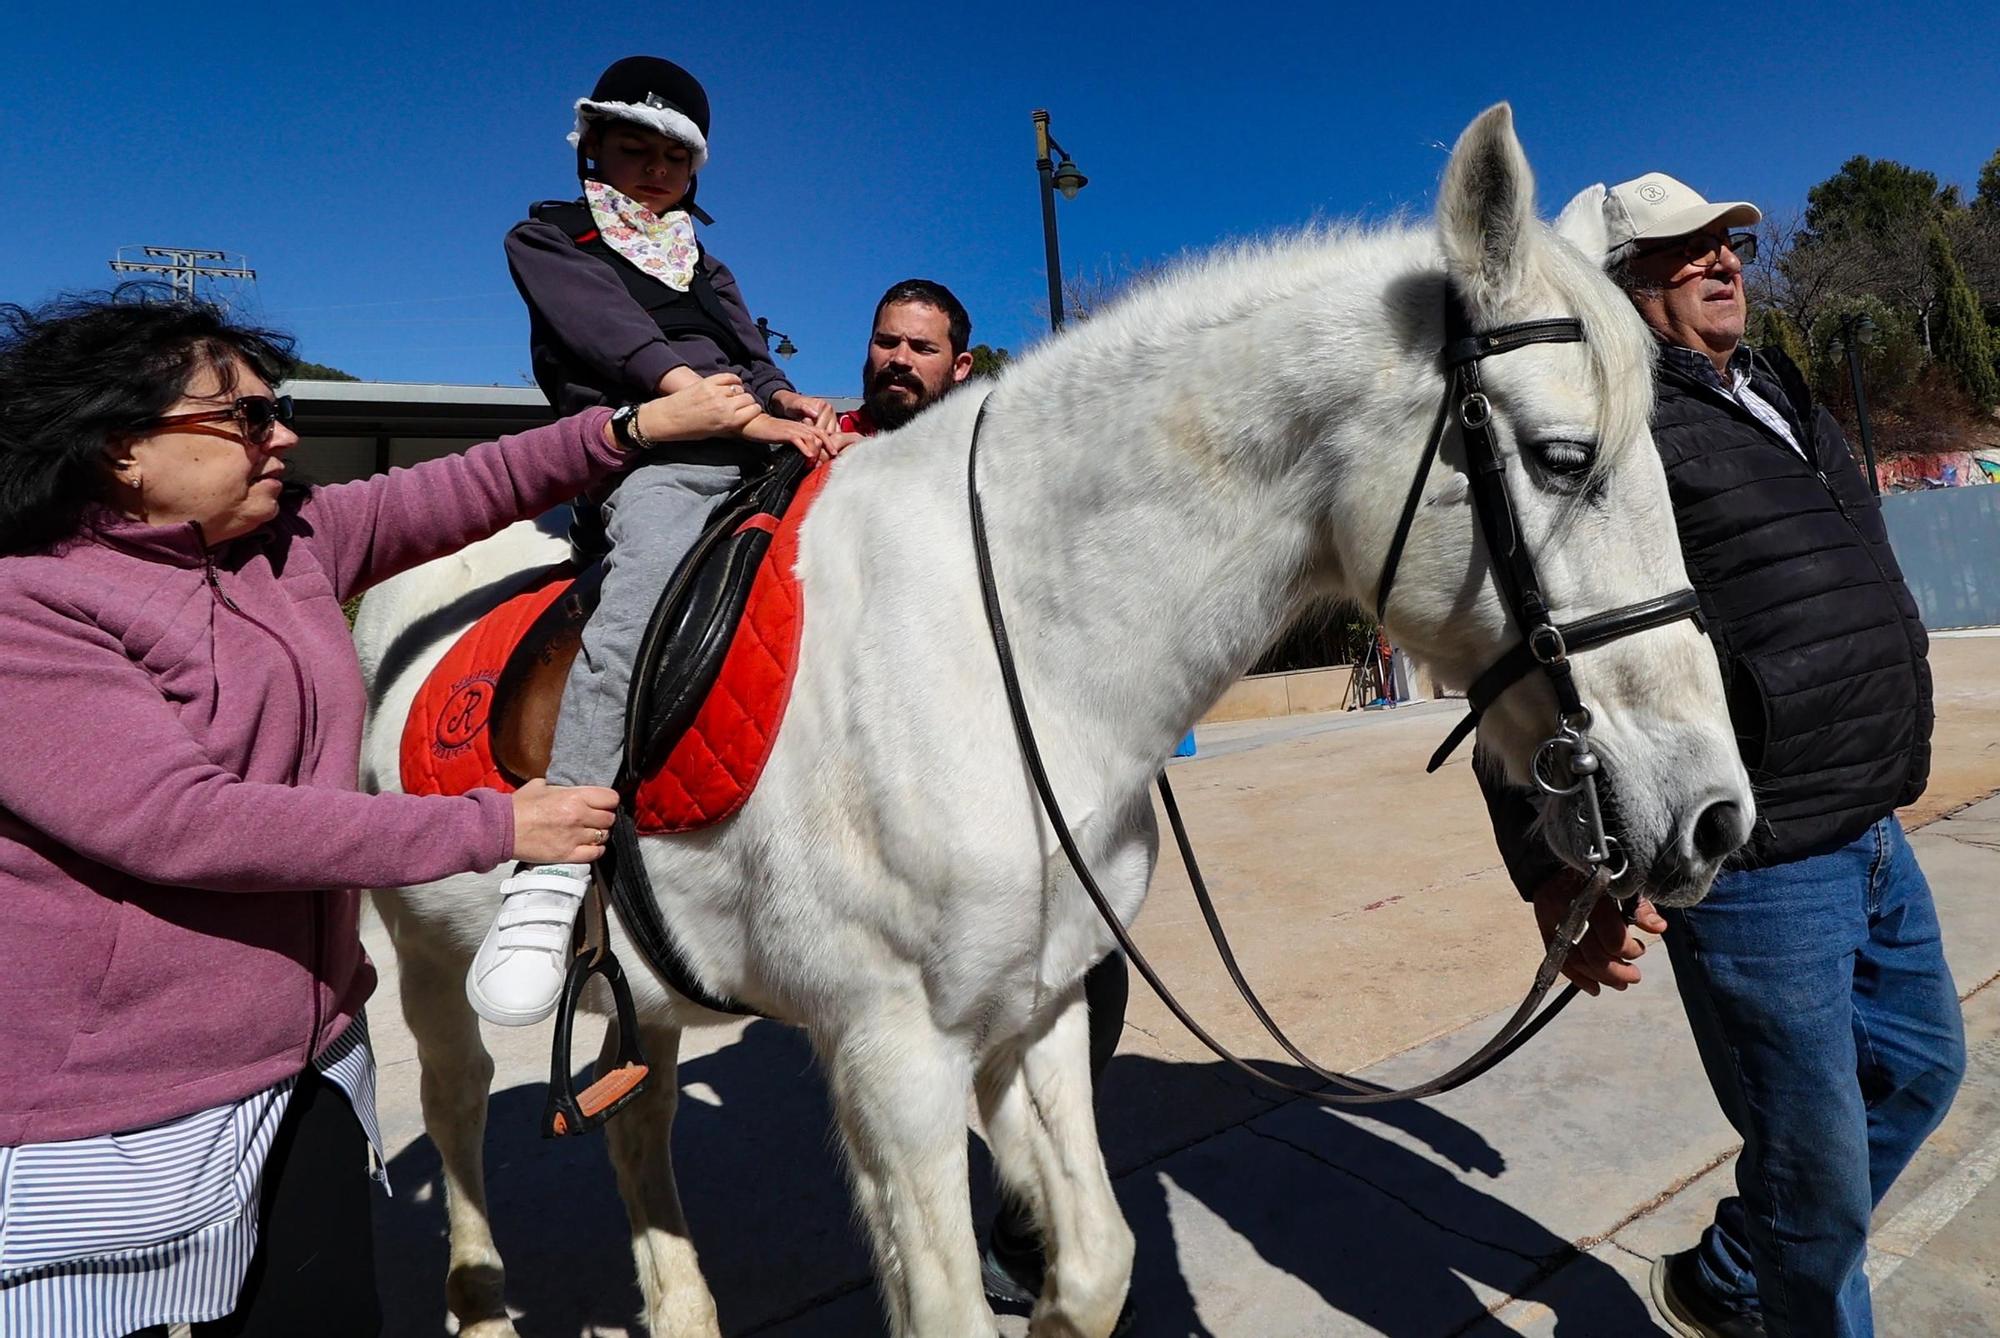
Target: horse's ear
x: 1486, y: 211
x: 1581, y: 224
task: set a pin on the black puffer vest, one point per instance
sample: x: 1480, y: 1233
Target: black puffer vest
x: 570, y: 386
x: 1822, y: 650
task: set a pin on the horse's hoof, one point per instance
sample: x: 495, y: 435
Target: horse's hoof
x: 490, y: 1328
x: 476, y: 1293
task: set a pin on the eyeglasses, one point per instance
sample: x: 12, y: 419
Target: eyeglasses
x: 1703, y: 249
x: 259, y: 414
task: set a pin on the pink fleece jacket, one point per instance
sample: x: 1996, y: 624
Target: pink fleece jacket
x: 181, y: 833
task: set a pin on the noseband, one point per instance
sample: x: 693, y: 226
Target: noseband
x: 1565, y: 763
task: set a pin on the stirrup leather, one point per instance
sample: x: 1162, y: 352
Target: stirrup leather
x: 570, y: 1111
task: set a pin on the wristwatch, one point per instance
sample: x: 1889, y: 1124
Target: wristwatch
x: 625, y: 429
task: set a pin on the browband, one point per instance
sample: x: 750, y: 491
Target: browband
x: 1471, y: 348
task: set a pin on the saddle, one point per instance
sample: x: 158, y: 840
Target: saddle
x: 707, y: 688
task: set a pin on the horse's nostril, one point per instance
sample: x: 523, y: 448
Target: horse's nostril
x: 1718, y: 831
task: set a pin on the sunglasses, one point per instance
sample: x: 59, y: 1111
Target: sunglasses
x: 1703, y: 249
x: 259, y: 414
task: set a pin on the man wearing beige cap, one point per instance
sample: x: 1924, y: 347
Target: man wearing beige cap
x: 1813, y: 974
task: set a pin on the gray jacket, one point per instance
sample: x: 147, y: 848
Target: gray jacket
x: 593, y: 341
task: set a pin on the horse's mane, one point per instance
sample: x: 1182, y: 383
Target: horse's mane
x: 1621, y: 349
x: 1202, y: 292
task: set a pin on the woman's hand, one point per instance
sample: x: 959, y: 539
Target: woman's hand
x: 562, y: 824
x: 805, y: 438
x: 806, y: 409
x: 714, y: 406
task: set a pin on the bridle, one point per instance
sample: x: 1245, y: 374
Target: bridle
x: 1564, y: 764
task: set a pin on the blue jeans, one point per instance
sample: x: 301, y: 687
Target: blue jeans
x: 1829, y: 1027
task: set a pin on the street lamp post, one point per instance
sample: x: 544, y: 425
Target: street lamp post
x: 785, y: 349
x: 1058, y: 173
x: 1855, y: 330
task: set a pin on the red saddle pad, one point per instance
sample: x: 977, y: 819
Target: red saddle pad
x: 446, y: 746
x: 712, y: 769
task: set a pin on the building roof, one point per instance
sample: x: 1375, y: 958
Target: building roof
x: 414, y: 409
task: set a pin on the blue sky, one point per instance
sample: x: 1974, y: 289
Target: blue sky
x: 368, y: 158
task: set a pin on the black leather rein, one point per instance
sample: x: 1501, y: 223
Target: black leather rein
x: 1545, y: 645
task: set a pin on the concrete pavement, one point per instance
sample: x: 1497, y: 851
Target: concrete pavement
x: 1367, y: 902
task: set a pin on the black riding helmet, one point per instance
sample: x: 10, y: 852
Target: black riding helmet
x: 653, y: 93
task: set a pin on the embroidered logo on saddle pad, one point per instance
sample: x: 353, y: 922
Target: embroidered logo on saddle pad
x: 711, y: 770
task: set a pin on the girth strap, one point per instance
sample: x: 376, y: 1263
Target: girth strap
x: 631, y: 893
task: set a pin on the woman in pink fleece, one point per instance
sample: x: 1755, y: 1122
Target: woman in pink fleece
x: 185, y: 1081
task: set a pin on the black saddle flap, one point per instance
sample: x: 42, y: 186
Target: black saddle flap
x: 696, y: 618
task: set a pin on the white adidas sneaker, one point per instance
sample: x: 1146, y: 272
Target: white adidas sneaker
x: 517, y: 974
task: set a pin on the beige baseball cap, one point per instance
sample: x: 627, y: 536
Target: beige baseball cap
x: 1655, y: 207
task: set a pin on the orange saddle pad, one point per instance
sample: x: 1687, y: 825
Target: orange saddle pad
x: 710, y: 771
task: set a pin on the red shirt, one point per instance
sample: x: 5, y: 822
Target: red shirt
x: 857, y: 420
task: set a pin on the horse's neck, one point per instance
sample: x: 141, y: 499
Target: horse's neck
x: 1157, y: 508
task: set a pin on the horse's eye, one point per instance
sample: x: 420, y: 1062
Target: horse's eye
x: 1561, y: 455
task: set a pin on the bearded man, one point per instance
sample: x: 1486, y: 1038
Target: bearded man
x: 916, y: 353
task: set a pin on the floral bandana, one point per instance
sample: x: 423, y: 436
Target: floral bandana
x: 661, y: 245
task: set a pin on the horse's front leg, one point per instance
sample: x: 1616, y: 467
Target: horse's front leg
x: 640, y: 1140
x: 899, y: 1089
x: 455, y: 1072
x: 1035, y: 1102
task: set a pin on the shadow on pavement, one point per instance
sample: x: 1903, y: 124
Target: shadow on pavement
x: 1380, y: 1232
x: 1383, y: 1233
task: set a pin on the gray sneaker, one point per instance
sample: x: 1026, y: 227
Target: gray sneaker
x: 1686, y: 1307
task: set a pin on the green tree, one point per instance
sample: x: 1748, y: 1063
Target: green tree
x: 1961, y: 341
x: 1872, y: 218
x: 1975, y: 237
x: 1772, y: 328
x: 1892, y: 354
x: 1873, y: 197
x: 319, y: 371
x: 987, y: 360
x: 1989, y: 185
x: 1324, y: 635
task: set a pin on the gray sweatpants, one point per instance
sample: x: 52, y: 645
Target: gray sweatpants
x: 652, y: 519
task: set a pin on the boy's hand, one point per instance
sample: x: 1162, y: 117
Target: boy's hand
x: 804, y: 438
x: 806, y: 409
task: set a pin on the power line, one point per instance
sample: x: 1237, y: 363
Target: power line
x: 183, y: 267
x: 397, y: 302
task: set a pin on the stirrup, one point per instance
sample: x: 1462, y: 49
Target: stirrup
x: 569, y: 1111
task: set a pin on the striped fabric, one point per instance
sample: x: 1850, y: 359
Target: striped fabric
x: 103, y: 1236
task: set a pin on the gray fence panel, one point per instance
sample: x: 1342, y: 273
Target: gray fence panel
x: 1948, y: 543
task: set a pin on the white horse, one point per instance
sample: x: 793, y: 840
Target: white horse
x: 1165, y: 487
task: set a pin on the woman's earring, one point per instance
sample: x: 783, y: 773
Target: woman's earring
x: 131, y: 481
